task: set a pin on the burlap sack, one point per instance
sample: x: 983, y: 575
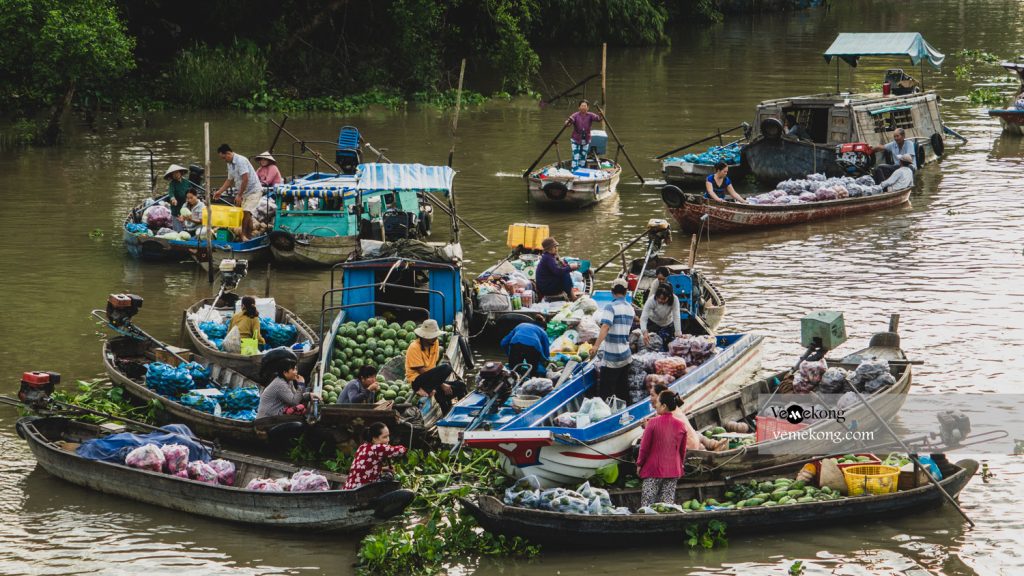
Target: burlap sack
x: 832, y: 476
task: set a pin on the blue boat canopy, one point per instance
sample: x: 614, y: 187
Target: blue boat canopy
x: 405, y: 177
x: 850, y: 46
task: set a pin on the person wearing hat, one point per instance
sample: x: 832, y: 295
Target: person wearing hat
x: 422, y: 371
x: 616, y: 321
x: 903, y: 177
x: 894, y: 150
x: 581, y: 121
x: 287, y: 390
x: 268, y: 173
x: 177, y: 187
x: 554, y: 276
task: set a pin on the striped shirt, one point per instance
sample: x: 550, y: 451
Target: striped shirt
x: 619, y: 316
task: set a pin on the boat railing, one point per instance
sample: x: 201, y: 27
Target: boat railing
x: 394, y: 262
x: 323, y: 314
x: 324, y: 308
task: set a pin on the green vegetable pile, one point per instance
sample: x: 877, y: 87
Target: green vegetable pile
x: 766, y: 494
x: 101, y: 396
x: 854, y: 459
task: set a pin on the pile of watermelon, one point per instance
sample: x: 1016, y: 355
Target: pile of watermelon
x: 368, y: 343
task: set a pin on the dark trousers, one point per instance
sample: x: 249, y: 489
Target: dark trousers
x: 431, y: 381
x: 666, y: 333
x: 615, y: 382
x: 883, y: 171
x: 519, y: 353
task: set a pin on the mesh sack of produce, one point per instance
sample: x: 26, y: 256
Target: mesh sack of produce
x: 637, y: 381
x: 812, y: 371
x: 653, y: 380
x: 309, y: 481
x: 201, y: 402
x: 807, y: 197
x: 225, y: 470
x: 876, y: 384
x: 175, y: 457
x: 241, y: 399
x: 816, y: 177
x: 168, y: 380
x: 263, y: 485
x: 835, y: 381
x: 801, y: 385
x: 654, y: 342
x: 566, y: 420
x: 243, y: 415
x: 869, y: 369
x: 146, y: 457
x: 157, y: 216
x: 537, y: 386
x: 202, y: 472
x: 200, y: 374
x: 214, y: 329
x: 866, y: 180
x: 278, y: 334
x: 672, y: 366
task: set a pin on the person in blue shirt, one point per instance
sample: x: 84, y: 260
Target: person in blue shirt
x: 718, y: 184
x: 528, y: 343
x: 554, y: 276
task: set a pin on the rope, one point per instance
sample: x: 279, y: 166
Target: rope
x: 582, y: 443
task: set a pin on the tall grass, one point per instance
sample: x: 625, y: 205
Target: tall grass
x: 205, y: 77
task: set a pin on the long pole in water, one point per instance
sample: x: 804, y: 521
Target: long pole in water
x: 209, y: 206
x: 553, y: 142
x: 451, y: 151
x: 277, y: 135
x: 621, y: 145
x: 604, y: 70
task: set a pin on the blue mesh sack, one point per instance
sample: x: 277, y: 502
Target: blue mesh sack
x: 200, y: 402
x: 167, y: 380
x: 200, y: 375
x: 214, y: 329
x: 240, y: 399
x: 245, y: 415
x: 277, y: 334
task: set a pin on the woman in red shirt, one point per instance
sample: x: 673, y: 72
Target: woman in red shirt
x: 662, y: 452
x: 371, y: 456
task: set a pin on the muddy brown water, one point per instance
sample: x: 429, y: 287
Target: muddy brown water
x: 950, y: 264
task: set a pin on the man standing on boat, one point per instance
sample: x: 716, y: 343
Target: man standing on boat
x: 247, y: 183
x: 616, y: 321
x: 581, y: 121
x: 553, y: 276
x: 896, y: 148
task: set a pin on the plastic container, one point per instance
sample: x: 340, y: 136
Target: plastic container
x: 599, y: 141
x: 886, y: 88
x: 871, y: 479
x: 527, y: 298
x: 225, y: 216
x: 874, y: 460
x: 529, y: 235
x: 222, y: 235
x: 524, y: 401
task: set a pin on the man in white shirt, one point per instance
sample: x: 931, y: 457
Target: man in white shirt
x: 246, y: 182
x: 899, y: 146
x: 903, y: 177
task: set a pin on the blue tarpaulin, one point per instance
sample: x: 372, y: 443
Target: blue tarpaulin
x: 115, y: 448
x: 850, y: 46
x: 405, y: 177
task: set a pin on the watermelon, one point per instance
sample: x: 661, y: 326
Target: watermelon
x: 388, y: 334
x: 409, y: 325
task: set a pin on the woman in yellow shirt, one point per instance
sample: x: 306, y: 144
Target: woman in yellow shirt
x: 248, y: 320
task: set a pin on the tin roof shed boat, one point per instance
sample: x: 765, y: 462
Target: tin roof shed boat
x: 1012, y: 117
x: 835, y: 119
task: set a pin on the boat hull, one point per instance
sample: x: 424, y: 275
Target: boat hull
x: 734, y: 217
x: 1012, y: 121
x: 556, y: 529
x: 577, y: 193
x: 313, y: 252
x: 345, y: 510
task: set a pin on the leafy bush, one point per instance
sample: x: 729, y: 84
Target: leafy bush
x: 985, y: 95
x: 204, y: 76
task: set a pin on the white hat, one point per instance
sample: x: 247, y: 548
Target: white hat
x: 620, y: 283
x: 266, y: 156
x: 174, y: 168
x: 428, y: 330
x: 905, y: 158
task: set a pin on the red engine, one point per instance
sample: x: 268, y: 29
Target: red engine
x: 855, y: 157
x: 36, y: 387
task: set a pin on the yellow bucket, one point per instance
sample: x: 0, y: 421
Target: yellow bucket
x: 529, y: 235
x: 225, y: 216
x: 871, y: 479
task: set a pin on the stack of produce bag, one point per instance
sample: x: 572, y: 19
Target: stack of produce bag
x: 214, y: 329
x: 730, y: 154
x: 872, y: 375
x: 301, y: 481
x: 200, y: 374
x: 808, y: 376
x: 526, y: 493
x: 695, y: 350
x: 167, y: 380
x: 240, y: 403
x: 817, y: 188
x: 202, y: 402
x: 277, y: 334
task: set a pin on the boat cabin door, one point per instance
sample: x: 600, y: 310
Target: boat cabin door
x: 840, y: 124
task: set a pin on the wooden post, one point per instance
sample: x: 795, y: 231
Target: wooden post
x: 451, y: 153
x: 894, y: 323
x: 604, y: 70
x: 209, y: 205
x: 693, y: 251
x: 266, y: 286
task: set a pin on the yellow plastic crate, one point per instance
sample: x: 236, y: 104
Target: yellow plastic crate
x: 529, y: 235
x: 225, y: 216
x: 872, y: 479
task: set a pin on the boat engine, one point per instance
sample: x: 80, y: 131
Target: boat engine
x: 36, y: 388
x: 855, y: 157
x: 954, y: 426
x: 232, y: 271
x: 121, y: 308
x: 495, y: 381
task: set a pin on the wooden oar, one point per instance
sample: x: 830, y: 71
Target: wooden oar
x: 702, y: 140
x: 277, y: 134
x: 539, y: 158
x: 619, y: 142
x: 620, y: 252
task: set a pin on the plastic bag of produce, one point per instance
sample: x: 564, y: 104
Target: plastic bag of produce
x: 834, y: 381
x: 522, y: 498
x: 555, y: 329
x: 586, y: 304
x: 646, y: 510
x: 202, y: 472
x: 146, y: 457
x: 616, y: 511
x: 596, y: 408
x: 495, y: 302
x: 264, y: 485
x: 537, y: 386
x: 175, y: 457
x: 168, y: 380
x: 570, y: 504
x: 284, y: 483
x: 225, y: 470
x: 309, y: 481
x: 848, y: 401
x: 872, y: 386
x: 812, y: 371
x: 588, y: 492
x: 566, y: 420
x: 874, y: 371
x: 201, y: 402
x: 666, y: 508
x: 241, y: 399
x: 671, y: 366
x: 183, y: 473
x: 233, y: 341
x: 801, y: 385
x: 588, y: 329
x: 157, y: 216
x: 564, y: 343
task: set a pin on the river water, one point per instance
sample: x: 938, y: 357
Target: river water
x: 949, y: 264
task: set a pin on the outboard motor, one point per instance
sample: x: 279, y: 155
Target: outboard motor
x: 398, y: 224
x: 232, y: 271
x: 36, y: 388
x: 954, y: 426
x: 195, y: 174
x: 495, y: 381
x: 855, y: 157
x: 121, y: 308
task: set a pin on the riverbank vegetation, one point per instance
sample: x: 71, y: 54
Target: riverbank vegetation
x: 120, y: 58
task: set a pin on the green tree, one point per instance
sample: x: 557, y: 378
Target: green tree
x: 52, y: 48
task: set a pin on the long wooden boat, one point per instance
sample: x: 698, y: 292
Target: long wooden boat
x: 249, y: 366
x: 1012, y: 117
x: 557, y: 529
x: 54, y: 439
x: 533, y: 443
x: 705, y: 301
x: 689, y: 210
x: 745, y: 405
x: 558, y: 186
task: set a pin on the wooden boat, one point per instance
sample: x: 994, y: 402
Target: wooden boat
x: 533, y: 443
x: 745, y: 405
x: 835, y: 119
x: 390, y: 201
x: 54, y: 439
x: 248, y: 366
x: 558, y: 186
x: 1012, y: 118
x: 689, y: 171
x: 689, y: 210
x: 705, y: 305
x: 556, y: 529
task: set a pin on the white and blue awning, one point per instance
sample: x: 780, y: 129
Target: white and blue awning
x: 317, y: 187
x: 393, y: 177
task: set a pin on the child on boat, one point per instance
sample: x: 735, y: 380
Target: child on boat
x: 662, y: 453
x: 371, y: 457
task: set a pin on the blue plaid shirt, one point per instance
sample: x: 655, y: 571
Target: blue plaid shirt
x: 619, y: 316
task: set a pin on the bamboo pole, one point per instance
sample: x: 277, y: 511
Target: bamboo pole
x: 209, y: 205
x: 621, y: 145
x: 451, y: 151
x: 604, y: 75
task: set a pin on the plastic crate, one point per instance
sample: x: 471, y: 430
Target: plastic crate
x: 529, y: 235
x: 871, y: 479
x: 874, y: 460
x: 225, y: 216
x: 769, y: 428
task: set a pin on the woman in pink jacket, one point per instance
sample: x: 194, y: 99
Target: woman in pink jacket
x: 662, y: 453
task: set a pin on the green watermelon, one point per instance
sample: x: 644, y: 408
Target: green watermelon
x: 409, y: 325
x: 388, y: 334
